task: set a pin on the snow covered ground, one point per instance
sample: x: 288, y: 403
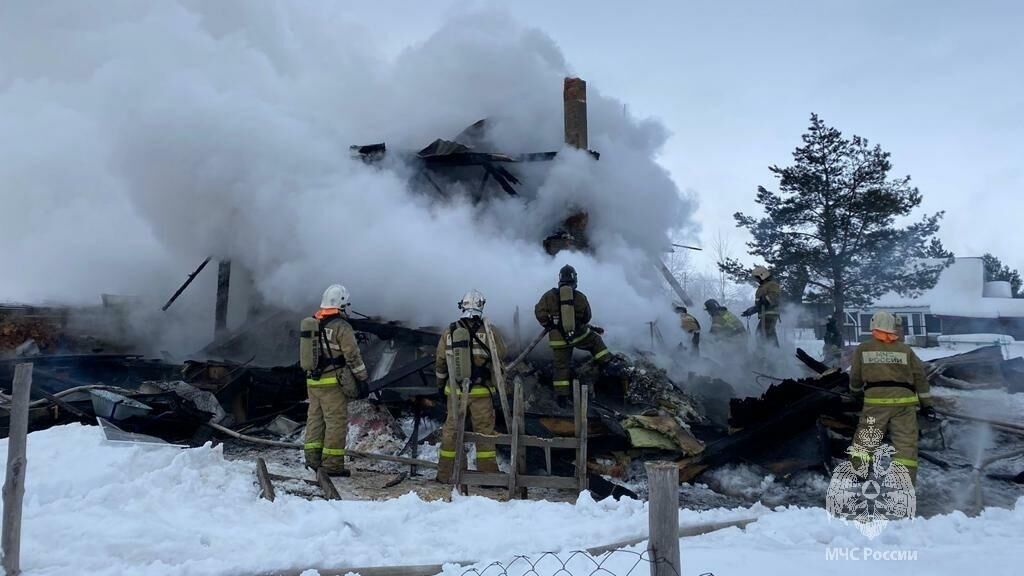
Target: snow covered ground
x: 96, y: 508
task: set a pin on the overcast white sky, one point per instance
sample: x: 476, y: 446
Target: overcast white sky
x: 937, y: 84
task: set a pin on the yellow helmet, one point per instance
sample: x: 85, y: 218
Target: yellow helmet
x: 760, y: 272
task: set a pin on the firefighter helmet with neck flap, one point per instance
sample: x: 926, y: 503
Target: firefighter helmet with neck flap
x: 472, y: 304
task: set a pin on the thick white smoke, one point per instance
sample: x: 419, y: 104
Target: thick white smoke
x: 138, y: 138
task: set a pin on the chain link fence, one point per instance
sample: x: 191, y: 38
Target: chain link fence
x: 576, y: 563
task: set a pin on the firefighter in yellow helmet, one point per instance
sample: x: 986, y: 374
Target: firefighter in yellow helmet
x: 565, y: 312
x: 690, y: 325
x: 766, y: 305
x: 335, y: 374
x: 468, y: 349
x: 893, y: 382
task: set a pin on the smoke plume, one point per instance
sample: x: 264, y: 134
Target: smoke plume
x: 138, y: 138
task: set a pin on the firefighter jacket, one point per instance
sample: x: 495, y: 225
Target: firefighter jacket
x: 549, y: 308
x: 340, y: 360
x: 767, y: 298
x: 725, y: 323
x: 889, y: 374
x: 689, y: 324
x: 479, y: 350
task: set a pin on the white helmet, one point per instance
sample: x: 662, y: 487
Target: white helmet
x: 884, y: 322
x: 336, y: 296
x: 760, y: 272
x: 472, y: 304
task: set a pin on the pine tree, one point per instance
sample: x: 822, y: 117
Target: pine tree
x: 935, y: 249
x: 995, y: 270
x: 830, y: 230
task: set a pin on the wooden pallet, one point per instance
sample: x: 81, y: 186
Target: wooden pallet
x: 517, y: 480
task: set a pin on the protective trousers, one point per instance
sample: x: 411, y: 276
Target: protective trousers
x: 326, y: 428
x: 766, y: 328
x: 481, y: 416
x: 561, y: 378
x: 900, y: 422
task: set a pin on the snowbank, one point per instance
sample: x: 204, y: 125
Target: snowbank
x: 95, y: 508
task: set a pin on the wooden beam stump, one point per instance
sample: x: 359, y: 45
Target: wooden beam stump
x: 223, y: 288
x: 14, y: 484
x: 663, y: 518
x: 263, y: 476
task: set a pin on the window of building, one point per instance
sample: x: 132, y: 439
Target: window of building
x: 865, y: 323
x: 918, y: 323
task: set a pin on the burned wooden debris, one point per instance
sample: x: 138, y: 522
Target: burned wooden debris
x: 250, y: 389
x: 452, y: 160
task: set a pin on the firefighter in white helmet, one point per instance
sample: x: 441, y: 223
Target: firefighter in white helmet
x: 894, y: 385
x: 335, y: 373
x: 469, y: 349
x: 766, y: 304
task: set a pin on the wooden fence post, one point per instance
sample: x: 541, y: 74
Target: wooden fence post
x: 582, y: 407
x: 663, y: 518
x: 14, y: 485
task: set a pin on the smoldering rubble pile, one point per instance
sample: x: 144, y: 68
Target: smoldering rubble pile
x: 253, y: 389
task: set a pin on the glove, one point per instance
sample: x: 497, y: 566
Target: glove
x: 363, y: 386
x: 929, y: 413
x: 597, y: 329
x: 749, y: 312
x: 553, y: 322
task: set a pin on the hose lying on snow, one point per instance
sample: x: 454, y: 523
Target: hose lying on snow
x: 352, y: 453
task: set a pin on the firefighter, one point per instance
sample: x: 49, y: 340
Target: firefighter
x: 565, y: 312
x: 724, y: 324
x: 335, y: 374
x: 465, y: 352
x: 832, y: 351
x: 766, y: 305
x: 892, y: 379
x: 690, y: 325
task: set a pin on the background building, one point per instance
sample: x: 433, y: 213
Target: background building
x: 961, y: 302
